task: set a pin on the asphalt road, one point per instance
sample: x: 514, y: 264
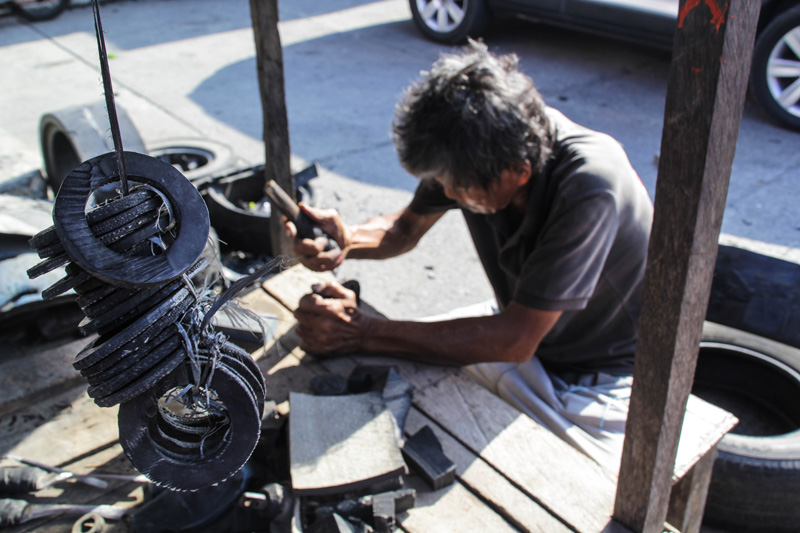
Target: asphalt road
x: 186, y: 69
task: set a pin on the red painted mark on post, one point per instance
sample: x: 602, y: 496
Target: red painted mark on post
x: 696, y: 70
x: 717, y: 12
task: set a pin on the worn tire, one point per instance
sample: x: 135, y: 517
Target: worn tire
x: 200, y: 160
x: 238, y: 227
x: 756, y: 478
x: 70, y: 136
x: 45, y: 12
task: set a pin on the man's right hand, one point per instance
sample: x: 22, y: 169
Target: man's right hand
x: 311, y: 252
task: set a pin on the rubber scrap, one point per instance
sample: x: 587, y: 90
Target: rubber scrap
x: 404, y: 499
x: 383, y: 513
x: 424, y: 455
x: 328, y: 385
x: 380, y: 510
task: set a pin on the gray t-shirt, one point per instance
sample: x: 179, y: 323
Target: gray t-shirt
x: 579, y: 248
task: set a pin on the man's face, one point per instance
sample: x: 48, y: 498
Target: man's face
x: 496, y: 197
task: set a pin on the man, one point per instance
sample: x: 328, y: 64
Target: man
x: 560, y: 221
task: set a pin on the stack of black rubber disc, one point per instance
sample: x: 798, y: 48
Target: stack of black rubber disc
x: 114, y: 257
x: 187, y: 396
x: 208, y: 428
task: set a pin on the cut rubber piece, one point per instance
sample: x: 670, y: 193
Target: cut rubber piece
x: 83, y: 248
x: 255, y: 377
x: 108, y: 225
x: 140, y: 348
x: 67, y: 283
x: 128, y: 311
x: 48, y: 265
x: 119, y: 301
x: 132, y: 245
x: 144, y: 382
x: 46, y: 237
x: 425, y: 456
x: 149, y: 459
x: 105, y: 293
x: 103, y: 347
x: 152, y: 331
x: 123, y: 236
x: 151, y: 356
x: 108, y: 329
x: 110, y: 366
x: 115, y: 206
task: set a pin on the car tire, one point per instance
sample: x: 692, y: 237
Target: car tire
x: 756, y: 477
x: 200, y: 160
x: 45, y: 11
x: 70, y: 136
x: 450, y: 21
x: 773, y: 48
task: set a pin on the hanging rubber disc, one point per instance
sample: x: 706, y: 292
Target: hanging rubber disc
x: 83, y: 248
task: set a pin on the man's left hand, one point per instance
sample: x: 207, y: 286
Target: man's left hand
x: 329, y: 321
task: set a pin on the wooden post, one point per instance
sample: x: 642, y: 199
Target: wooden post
x: 688, y: 496
x: 705, y: 97
x: 269, y: 63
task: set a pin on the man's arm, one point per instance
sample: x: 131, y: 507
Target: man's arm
x: 330, y: 323
x: 379, y: 238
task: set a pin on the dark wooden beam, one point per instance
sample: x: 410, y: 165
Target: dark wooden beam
x: 705, y: 97
x: 688, y: 498
x: 269, y: 64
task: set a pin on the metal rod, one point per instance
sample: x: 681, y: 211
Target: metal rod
x: 109, y: 94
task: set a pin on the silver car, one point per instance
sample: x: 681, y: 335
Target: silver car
x: 775, y: 72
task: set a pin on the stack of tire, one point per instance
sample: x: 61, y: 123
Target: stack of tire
x: 190, y: 401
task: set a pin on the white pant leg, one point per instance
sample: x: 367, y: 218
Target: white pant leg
x: 589, y: 415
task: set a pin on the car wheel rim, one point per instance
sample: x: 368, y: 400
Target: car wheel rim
x: 783, y: 72
x: 442, y: 16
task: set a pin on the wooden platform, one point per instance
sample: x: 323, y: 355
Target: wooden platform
x: 512, y: 474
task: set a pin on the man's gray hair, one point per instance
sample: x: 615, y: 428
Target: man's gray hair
x: 469, y: 118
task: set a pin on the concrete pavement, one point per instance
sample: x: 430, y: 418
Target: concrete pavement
x: 186, y: 69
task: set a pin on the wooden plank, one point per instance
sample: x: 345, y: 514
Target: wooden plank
x: 269, y: 65
x: 60, y: 429
x: 705, y: 96
x: 563, y: 480
x: 452, y: 508
x: 703, y: 427
x: 490, y: 485
x: 38, y: 373
x: 294, y: 283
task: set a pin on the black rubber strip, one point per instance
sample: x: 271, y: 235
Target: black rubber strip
x: 103, y: 347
